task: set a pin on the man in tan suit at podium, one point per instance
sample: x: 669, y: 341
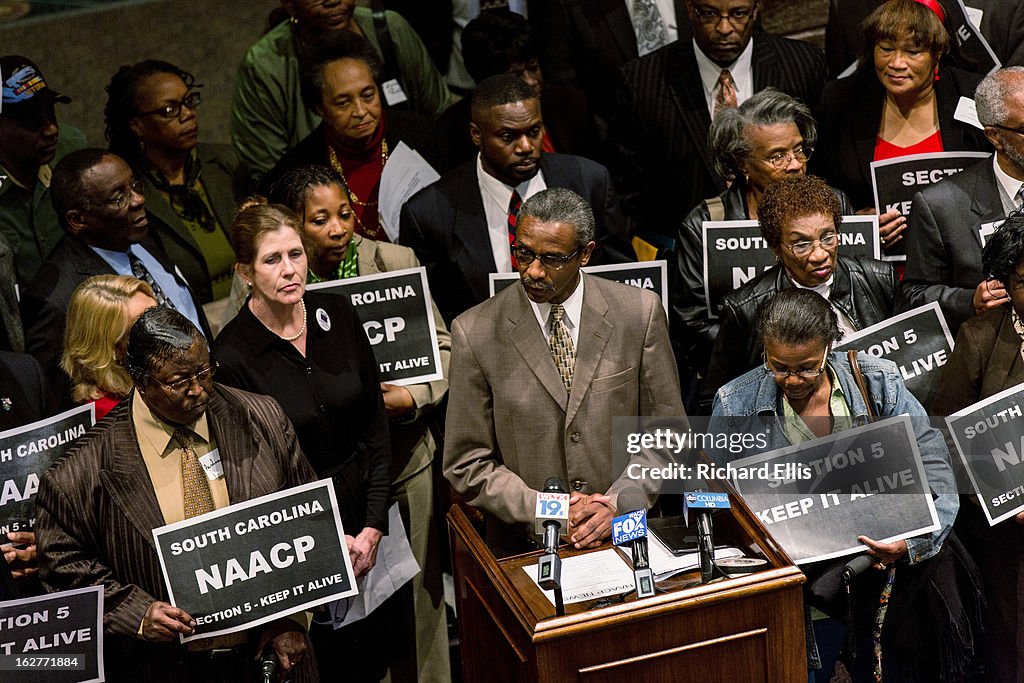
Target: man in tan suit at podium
x: 539, y: 371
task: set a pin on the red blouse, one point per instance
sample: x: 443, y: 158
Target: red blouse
x: 887, y: 150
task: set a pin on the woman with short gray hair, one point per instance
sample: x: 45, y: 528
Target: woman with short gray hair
x: 768, y: 137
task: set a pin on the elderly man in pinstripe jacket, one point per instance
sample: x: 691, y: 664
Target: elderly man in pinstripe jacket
x: 138, y: 470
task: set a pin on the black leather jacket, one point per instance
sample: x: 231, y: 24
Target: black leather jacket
x: 693, y: 331
x: 863, y: 289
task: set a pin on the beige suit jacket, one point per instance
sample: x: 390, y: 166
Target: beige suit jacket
x: 511, y: 424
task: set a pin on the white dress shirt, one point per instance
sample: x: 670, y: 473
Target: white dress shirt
x: 496, y: 196
x: 573, y: 310
x: 742, y: 75
x: 1009, y: 184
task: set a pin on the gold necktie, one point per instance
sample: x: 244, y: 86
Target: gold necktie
x: 560, y: 342
x: 726, y: 97
x: 194, y: 484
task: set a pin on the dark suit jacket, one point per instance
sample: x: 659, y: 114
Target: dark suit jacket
x: 97, y: 509
x: 944, y: 242
x: 585, y: 43
x: 23, y: 394
x: 659, y: 137
x: 985, y: 361
x: 849, y: 116
x: 44, y: 305
x: 446, y: 226
x: 223, y: 185
x: 413, y: 129
x: 1002, y: 25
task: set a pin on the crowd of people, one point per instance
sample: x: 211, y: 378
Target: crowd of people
x: 164, y: 280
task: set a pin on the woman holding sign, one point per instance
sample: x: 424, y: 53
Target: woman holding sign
x: 817, y: 393
x: 987, y: 359
x: 319, y: 197
x: 308, y: 350
x: 768, y: 137
x: 902, y: 100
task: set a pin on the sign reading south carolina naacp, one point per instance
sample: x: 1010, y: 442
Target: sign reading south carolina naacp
x: 896, y: 181
x: 868, y: 481
x: 969, y: 38
x: 395, y: 310
x: 25, y: 453
x: 989, y: 436
x: 652, y: 275
x: 735, y: 253
x: 918, y: 341
x: 258, y: 560
x: 57, y: 638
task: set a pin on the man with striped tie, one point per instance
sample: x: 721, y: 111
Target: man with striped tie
x: 154, y: 461
x: 99, y: 203
x: 461, y: 227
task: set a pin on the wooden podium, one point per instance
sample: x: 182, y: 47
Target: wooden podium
x: 746, y: 629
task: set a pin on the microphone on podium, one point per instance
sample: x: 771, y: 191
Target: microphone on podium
x: 631, y: 529
x: 705, y: 502
x: 552, y: 512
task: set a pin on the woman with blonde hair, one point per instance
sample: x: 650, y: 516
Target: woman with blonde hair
x: 101, y: 312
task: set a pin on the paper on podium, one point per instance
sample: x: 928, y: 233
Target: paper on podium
x: 405, y: 174
x: 395, y: 566
x: 589, y: 577
x: 664, y: 564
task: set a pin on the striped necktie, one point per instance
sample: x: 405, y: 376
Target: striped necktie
x: 563, y: 352
x: 140, y: 271
x: 513, y: 211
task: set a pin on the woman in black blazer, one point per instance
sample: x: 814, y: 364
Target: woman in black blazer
x: 898, y: 102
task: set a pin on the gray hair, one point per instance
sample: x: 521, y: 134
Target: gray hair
x: 797, y: 316
x: 727, y: 137
x: 159, y: 334
x: 558, y: 205
x: 992, y: 95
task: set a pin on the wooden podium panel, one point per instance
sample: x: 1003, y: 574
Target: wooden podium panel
x: 749, y: 628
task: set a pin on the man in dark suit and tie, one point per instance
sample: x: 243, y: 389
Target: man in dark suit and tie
x: 949, y: 221
x: 100, y: 204
x: 461, y: 226
x: 660, y: 133
x: 539, y: 372
x: 142, y: 468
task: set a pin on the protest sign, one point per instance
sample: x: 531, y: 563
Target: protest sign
x: 395, y: 310
x: 258, y: 560
x: 57, y: 638
x: 25, y: 453
x: 969, y: 38
x: 896, y: 181
x: 918, y: 341
x: 989, y: 435
x: 652, y: 275
x: 817, y: 497
x: 735, y: 253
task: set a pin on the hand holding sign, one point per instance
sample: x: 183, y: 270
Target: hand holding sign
x: 163, y: 623
x: 885, y: 553
x: 20, y: 554
x: 397, y: 400
x: 891, y: 225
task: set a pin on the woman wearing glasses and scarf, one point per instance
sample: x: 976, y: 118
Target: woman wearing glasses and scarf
x: 816, y: 393
x: 799, y: 218
x: 191, y: 188
x: 768, y: 137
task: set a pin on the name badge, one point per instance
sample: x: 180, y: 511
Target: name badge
x: 212, y: 465
x: 985, y: 230
x: 393, y: 92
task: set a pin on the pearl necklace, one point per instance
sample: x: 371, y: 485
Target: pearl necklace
x: 302, y: 330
